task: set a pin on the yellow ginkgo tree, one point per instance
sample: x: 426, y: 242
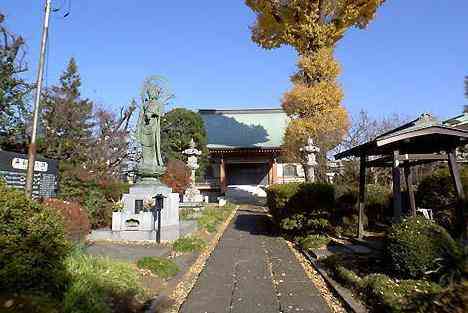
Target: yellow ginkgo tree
x: 312, y: 27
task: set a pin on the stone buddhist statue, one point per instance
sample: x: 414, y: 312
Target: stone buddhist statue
x: 148, y: 133
x: 136, y: 220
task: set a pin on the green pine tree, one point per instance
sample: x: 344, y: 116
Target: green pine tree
x: 14, y: 91
x: 67, y: 119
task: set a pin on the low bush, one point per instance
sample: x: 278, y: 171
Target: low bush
x: 100, y: 284
x: 415, y: 245
x: 161, y: 267
x: 453, y: 266
x: 300, y: 224
x: 385, y: 294
x: 340, y: 273
x: 437, y: 192
x: 314, y: 242
x: 32, y: 244
x: 97, y: 194
x: 99, y: 209
x: 188, y: 244
x: 29, y: 303
x: 453, y: 299
x: 77, y: 225
x: 378, y: 201
x: 293, y: 205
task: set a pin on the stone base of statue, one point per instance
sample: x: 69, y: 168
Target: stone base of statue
x: 136, y: 222
x: 193, y: 195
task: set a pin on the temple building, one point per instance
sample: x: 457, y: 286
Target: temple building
x: 245, y: 149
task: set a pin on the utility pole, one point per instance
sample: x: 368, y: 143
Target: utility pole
x: 40, y: 74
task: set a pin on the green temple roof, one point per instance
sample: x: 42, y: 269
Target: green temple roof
x: 251, y: 128
x: 460, y: 121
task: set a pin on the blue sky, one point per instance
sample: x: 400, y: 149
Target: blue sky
x: 411, y: 59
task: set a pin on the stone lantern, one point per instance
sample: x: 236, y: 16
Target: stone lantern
x: 192, y: 194
x: 310, y: 151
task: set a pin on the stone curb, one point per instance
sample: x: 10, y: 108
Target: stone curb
x: 343, y: 293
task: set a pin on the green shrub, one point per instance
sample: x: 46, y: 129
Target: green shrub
x: 161, y: 267
x: 32, y: 244
x: 342, y: 274
x: 385, y: 294
x: 377, y: 203
x: 437, y: 192
x: 100, y: 213
x: 93, y: 191
x: 97, y: 283
x: 346, y: 204
x: 293, y: 205
x: 314, y: 242
x: 28, y: 303
x: 188, y: 244
x: 415, y: 245
x: 452, y: 267
x: 450, y: 300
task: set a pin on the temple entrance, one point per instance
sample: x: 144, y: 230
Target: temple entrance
x: 247, y: 174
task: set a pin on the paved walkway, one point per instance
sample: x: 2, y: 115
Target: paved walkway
x: 251, y: 271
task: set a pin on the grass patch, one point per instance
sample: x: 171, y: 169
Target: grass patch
x: 161, y: 267
x: 97, y: 284
x: 212, y: 217
x: 314, y: 242
x: 187, y: 214
x: 188, y: 244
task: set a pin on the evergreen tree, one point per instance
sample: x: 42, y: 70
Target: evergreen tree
x: 67, y: 119
x: 178, y: 127
x: 13, y: 91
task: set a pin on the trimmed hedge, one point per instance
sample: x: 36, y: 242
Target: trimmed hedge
x: 416, y: 245
x: 293, y: 205
x: 32, y: 245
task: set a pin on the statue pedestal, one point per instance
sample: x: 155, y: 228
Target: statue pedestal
x: 135, y: 222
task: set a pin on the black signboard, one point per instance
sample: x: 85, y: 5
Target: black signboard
x: 13, y: 168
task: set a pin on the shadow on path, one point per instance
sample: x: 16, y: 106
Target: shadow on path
x: 255, y: 223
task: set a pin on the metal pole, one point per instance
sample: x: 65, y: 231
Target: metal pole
x: 158, y: 234
x: 40, y: 72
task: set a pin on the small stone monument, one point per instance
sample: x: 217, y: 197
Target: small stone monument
x: 192, y: 194
x: 310, y: 152
x: 136, y: 220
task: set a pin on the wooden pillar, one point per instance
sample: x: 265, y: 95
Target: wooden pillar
x: 397, y: 213
x: 409, y: 185
x: 362, y: 195
x: 455, y: 173
x: 222, y: 175
x: 273, y: 173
